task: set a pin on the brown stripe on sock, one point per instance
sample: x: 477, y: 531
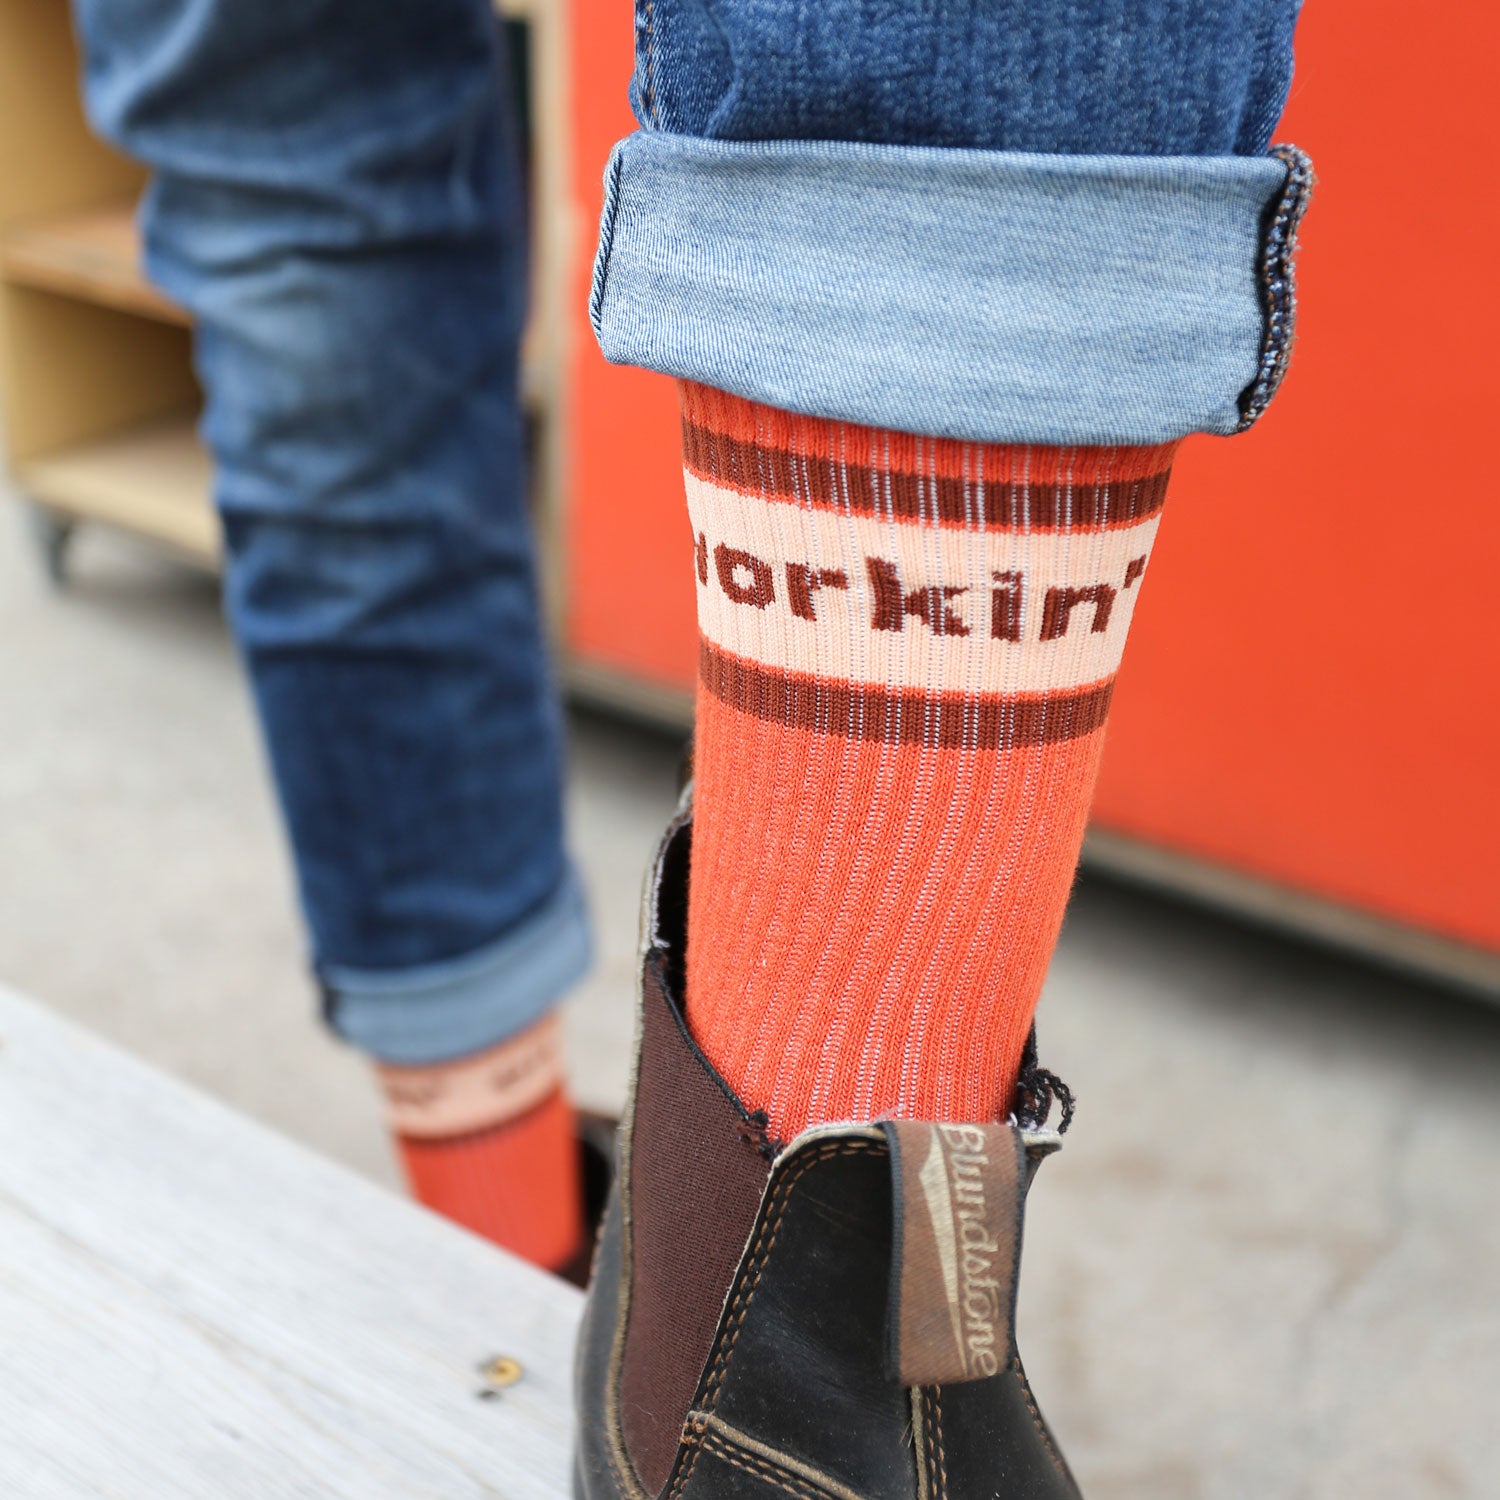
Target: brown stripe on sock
x: 835, y: 484
x: 868, y: 711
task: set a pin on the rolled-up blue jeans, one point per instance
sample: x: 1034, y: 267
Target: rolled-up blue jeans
x: 985, y: 219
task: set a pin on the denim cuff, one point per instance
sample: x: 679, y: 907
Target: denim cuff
x: 438, y: 1012
x: 987, y: 295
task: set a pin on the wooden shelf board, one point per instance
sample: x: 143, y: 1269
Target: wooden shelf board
x: 155, y: 480
x: 94, y: 256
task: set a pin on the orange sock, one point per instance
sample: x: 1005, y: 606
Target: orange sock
x: 489, y: 1142
x: 907, y: 651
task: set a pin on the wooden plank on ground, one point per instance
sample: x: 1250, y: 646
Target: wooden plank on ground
x: 194, y: 1306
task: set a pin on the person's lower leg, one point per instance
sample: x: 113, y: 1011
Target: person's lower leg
x: 909, y: 642
x: 490, y: 1141
x: 908, y: 647
x: 338, y: 202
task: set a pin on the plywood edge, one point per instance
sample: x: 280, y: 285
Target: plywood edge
x: 657, y: 704
x: 1410, y: 949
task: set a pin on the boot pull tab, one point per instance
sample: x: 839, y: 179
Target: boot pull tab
x: 958, y: 1192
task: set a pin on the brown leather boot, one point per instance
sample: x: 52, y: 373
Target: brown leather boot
x: 596, y: 1159
x: 832, y: 1318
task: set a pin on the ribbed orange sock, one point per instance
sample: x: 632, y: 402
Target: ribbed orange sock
x: 489, y: 1142
x: 907, y: 652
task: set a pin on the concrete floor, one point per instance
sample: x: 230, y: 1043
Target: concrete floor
x: 1267, y: 1265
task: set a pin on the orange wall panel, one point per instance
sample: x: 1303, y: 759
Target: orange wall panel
x: 630, y: 582
x: 1310, y: 692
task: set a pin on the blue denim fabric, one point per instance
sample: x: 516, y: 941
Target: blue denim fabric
x: 1100, y: 254
x: 1090, y: 77
x: 336, y: 199
x: 1000, y: 296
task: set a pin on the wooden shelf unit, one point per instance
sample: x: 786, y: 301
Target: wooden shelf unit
x: 153, y: 479
x: 94, y: 256
x: 98, y: 399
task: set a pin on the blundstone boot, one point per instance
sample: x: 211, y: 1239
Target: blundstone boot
x: 832, y: 1318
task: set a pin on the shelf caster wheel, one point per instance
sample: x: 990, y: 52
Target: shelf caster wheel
x: 52, y: 533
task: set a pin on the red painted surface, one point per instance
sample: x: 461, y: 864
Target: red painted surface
x: 1312, y: 689
x: 1310, y: 692
x: 630, y: 584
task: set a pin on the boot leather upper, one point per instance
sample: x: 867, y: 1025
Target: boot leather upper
x: 833, y: 1318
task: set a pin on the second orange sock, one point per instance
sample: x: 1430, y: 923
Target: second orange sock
x: 490, y: 1142
x: 908, y: 647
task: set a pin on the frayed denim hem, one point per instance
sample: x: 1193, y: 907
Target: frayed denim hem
x: 984, y: 295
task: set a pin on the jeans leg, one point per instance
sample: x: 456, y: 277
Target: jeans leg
x: 1099, y: 251
x: 1119, y: 77
x: 336, y: 199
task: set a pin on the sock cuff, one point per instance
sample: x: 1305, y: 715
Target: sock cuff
x: 723, y: 432
x: 446, y: 1100
x: 911, y: 590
